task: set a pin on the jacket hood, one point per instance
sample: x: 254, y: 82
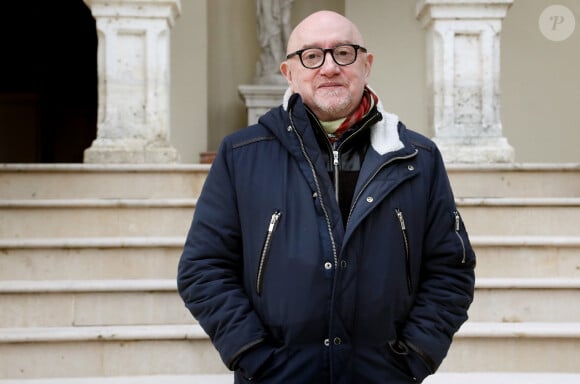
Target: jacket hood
x: 384, y: 134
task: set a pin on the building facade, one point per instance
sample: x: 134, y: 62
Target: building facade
x: 493, y: 80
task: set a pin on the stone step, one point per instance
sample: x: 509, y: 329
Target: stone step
x: 156, y: 257
x: 502, y: 378
x: 515, y: 347
x: 172, y: 217
x: 45, y: 181
x: 521, y: 216
x: 185, y: 350
x: 29, y: 303
x: 57, y: 303
x: 227, y: 378
x: 55, y: 352
x: 96, y: 258
x: 95, y: 218
x: 515, y: 180
x: 110, y: 181
x: 525, y: 300
x: 527, y: 256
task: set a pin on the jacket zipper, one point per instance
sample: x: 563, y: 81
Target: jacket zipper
x: 318, y: 191
x: 458, y: 233
x: 336, y: 156
x: 401, y: 218
x: 336, y: 174
x: 266, y: 250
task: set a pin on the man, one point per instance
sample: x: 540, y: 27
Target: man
x: 326, y: 246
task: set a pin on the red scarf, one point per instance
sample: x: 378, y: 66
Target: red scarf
x: 369, y: 99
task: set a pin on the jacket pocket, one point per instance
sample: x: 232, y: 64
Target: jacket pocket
x: 396, y: 354
x: 266, y: 250
x: 406, y: 247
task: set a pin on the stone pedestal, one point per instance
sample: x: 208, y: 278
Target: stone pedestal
x: 463, y: 70
x: 260, y: 99
x: 133, y: 70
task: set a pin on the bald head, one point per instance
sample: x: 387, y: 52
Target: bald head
x: 322, y: 25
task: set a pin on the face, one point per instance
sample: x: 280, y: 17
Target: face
x: 331, y: 91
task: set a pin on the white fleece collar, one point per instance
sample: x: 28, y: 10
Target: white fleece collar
x: 384, y: 134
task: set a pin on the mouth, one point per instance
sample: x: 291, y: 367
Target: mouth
x: 330, y: 85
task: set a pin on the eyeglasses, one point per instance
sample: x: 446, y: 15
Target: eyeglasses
x: 342, y: 55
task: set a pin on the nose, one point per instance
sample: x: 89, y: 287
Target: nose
x: 329, y: 65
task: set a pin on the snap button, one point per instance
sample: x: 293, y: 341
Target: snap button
x: 328, y: 265
x: 326, y: 342
x: 410, y: 167
x: 343, y: 263
x: 289, y: 129
x: 337, y: 341
x: 315, y: 195
x: 370, y: 199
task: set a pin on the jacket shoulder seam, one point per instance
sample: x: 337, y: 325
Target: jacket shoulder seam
x: 252, y: 141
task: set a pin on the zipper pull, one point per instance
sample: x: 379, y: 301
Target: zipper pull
x: 457, y: 221
x: 335, y: 155
x: 401, y: 219
x: 274, y: 221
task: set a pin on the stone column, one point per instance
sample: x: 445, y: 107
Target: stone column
x: 463, y: 70
x: 260, y: 98
x: 133, y: 70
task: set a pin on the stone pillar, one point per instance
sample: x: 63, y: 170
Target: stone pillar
x: 463, y: 70
x: 260, y: 99
x: 133, y: 70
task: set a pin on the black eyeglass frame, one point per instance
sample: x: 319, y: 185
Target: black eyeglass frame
x: 324, y: 52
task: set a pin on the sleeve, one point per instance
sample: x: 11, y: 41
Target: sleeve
x: 447, y: 280
x: 209, y: 276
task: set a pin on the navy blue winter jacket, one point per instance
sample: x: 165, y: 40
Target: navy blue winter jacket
x: 288, y: 294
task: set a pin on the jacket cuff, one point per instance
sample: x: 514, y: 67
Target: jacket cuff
x: 418, y: 367
x: 252, y: 362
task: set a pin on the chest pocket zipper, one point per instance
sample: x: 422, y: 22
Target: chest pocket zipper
x: 401, y: 218
x: 266, y: 250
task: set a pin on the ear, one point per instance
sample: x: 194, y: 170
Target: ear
x: 368, y: 65
x: 285, y: 70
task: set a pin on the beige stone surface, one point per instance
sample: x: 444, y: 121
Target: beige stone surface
x: 89, y: 291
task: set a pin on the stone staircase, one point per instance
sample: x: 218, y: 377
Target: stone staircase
x: 523, y: 222
x: 88, y: 258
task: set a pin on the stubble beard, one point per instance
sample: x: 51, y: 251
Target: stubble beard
x: 333, y: 104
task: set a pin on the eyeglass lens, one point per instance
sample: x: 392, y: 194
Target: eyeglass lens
x: 342, y: 55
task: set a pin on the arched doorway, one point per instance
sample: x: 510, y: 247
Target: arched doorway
x: 48, y: 81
